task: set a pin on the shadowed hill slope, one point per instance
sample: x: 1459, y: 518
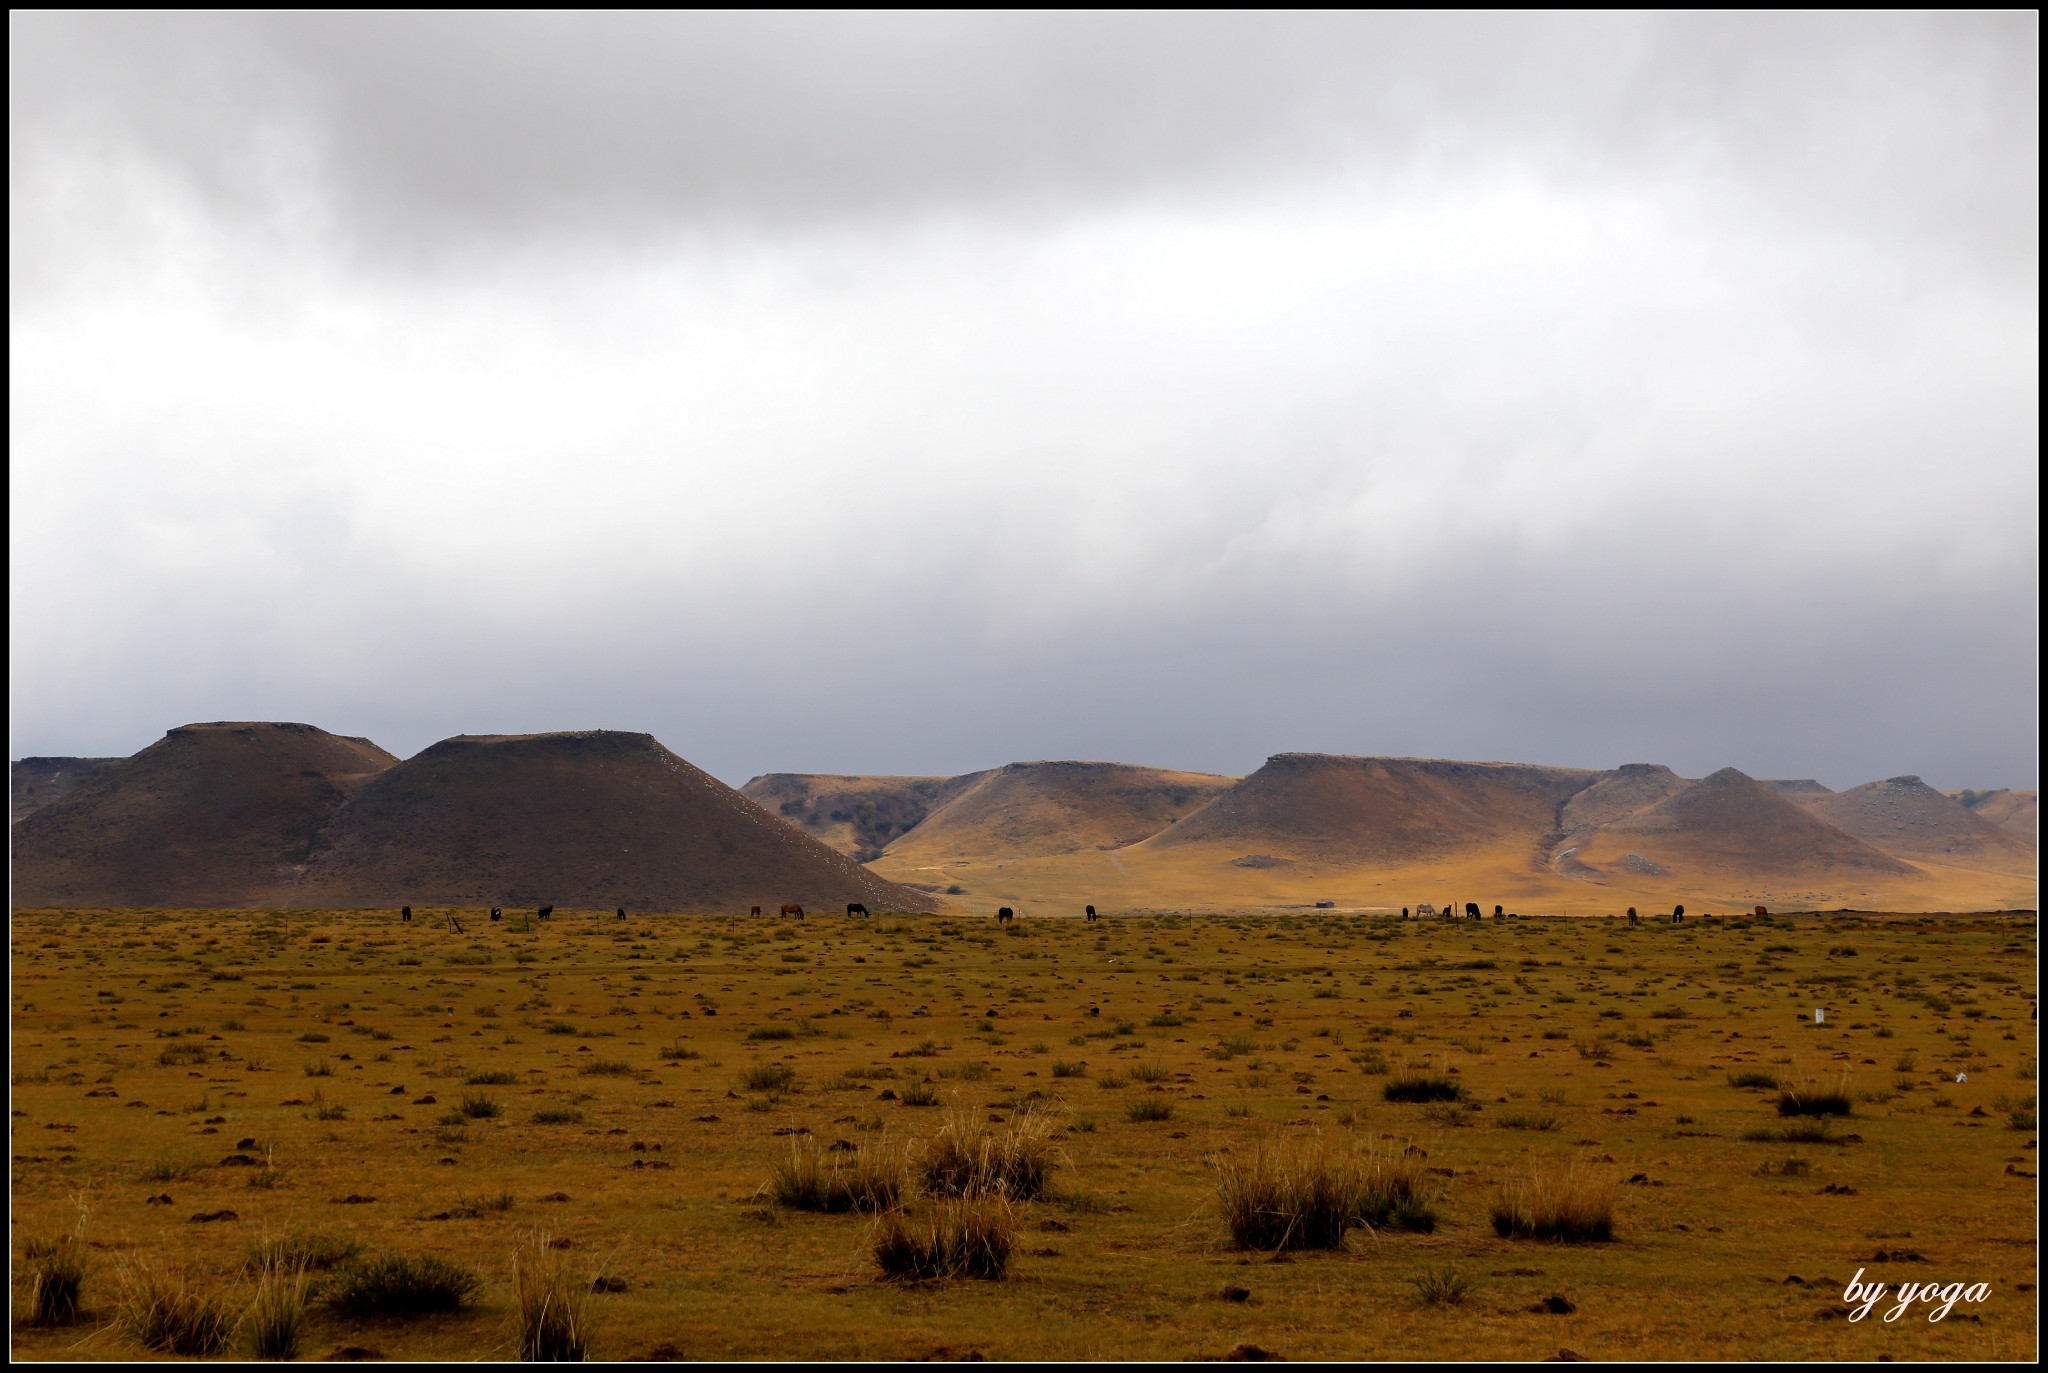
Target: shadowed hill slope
x: 222, y: 814
x: 36, y: 782
x: 2018, y: 813
x: 597, y: 818
x: 859, y: 816
x: 1909, y: 819
x: 1030, y: 810
x: 1730, y: 824
x: 1391, y: 811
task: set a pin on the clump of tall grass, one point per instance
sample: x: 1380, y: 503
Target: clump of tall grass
x: 1569, y: 1205
x: 920, y: 1094
x: 161, y: 1309
x: 1753, y: 1079
x: 55, y: 1272
x: 815, y: 1178
x: 1443, y: 1287
x: 401, y: 1285
x: 1423, y: 1087
x: 276, y: 1314
x: 1147, y: 1109
x: 768, y: 1077
x: 1308, y: 1194
x: 968, y: 1157
x: 479, y: 1106
x: 551, y: 1308
x: 961, y: 1237
x: 1815, y: 1099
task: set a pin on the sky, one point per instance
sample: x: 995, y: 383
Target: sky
x: 915, y: 393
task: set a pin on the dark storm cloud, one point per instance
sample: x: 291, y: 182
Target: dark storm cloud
x: 914, y: 393
x: 432, y: 133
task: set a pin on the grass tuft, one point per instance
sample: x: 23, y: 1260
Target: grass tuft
x: 816, y: 1178
x: 276, y: 1314
x: 55, y: 1278
x: 391, y: 1285
x: 551, y: 1308
x: 969, y: 1158
x: 1308, y: 1194
x: 160, y: 1309
x: 1815, y: 1099
x: 1413, y: 1087
x: 962, y: 1237
x: 1571, y: 1206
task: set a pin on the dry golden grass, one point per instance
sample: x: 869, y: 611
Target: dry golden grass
x: 551, y: 1308
x: 956, y: 1237
x: 1571, y: 1204
x: 158, y: 1065
x: 1309, y: 1193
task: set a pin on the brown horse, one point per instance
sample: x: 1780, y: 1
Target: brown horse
x: 791, y: 908
x: 756, y: 910
x: 1004, y: 915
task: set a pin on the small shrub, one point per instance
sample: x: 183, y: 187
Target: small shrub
x: 276, y: 1314
x: 764, y: 1032
x: 607, y: 1067
x: 1149, y: 1073
x: 552, y: 1309
x: 558, y: 1115
x: 1572, y: 1206
x: 160, y: 1309
x: 768, y: 1077
x: 319, y: 1067
x: 1520, y: 1121
x: 478, y: 1106
x: 815, y: 1178
x: 964, y: 1237
x: 1412, y: 1087
x: 1148, y: 1109
x: 168, y: 1170
x: 391, y: 1285
x: 491, y: 1079
x: 1753, y: 1079
x: 920, y: 1094
x: 1063, y: 1069
x: 1798, y: 1132
x: 678, y: 1052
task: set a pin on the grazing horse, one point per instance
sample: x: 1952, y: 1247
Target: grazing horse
x: 1763, y: 910
x: 497, y: 913
x: 1632, y: 916
x: 1497, y: 912
x: 791, y: 908
x: 545, y: 912
x: 622, y: 912
x: 1005, y: 915
x: 1677, y: 914
x: 856, y: 908
x: 1422, y: 909
x: 756, y: 910
x: 1091, y: 912
x: 1471, y: 910
x: 405, y: 913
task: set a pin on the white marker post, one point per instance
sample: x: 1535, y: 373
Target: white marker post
x: 1820, y: 1016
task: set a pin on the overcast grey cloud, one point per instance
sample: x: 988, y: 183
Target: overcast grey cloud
x: 915, y: 393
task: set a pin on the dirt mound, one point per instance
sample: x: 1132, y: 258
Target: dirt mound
x: 591, y: 819
x: 39, y: 781
x: 210, y: 815
x: 860, y: 816
x: 1039, y: 809
x: 2018, y: 813
x: 1379, y: 810
x: 1909, y: 819
x: 1730, y: 824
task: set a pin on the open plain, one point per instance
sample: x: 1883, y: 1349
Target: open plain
x: 194, y: 1083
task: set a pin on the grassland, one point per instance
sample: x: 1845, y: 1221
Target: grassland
x: 630, y: 1089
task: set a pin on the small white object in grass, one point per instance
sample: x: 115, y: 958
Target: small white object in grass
x: 1962, y: 1077
x: 1819, y: 1016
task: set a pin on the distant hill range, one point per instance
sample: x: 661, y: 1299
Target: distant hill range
x: 277, y: 814
x: 260, y: 814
